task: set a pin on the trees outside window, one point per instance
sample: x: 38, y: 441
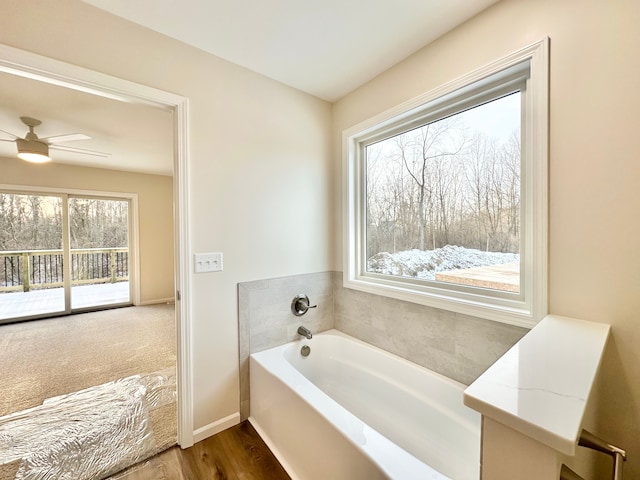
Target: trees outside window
x: 454, y: 182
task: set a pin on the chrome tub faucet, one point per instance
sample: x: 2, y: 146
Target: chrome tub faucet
x: 305, y: 332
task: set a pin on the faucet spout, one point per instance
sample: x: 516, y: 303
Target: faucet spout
x: 305, y: 332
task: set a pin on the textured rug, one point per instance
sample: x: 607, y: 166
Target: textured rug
x: 46, y: 358
x: 92, y: 433
x: 97, y: 389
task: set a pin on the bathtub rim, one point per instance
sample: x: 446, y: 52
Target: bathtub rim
x: 378, y: 448
x: 315, y: 398
x: 470, y: 421
x: 338, y: 333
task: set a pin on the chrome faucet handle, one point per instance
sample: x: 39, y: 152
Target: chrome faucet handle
x: 300, y: 304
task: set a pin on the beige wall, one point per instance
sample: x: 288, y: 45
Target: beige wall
x: 259, y: 169
x: 265, y: 178
x: 155, y: 210
x: 594, y: 268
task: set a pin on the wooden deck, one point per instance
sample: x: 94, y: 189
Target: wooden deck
x: 505, y: 277
x: 50, y: 301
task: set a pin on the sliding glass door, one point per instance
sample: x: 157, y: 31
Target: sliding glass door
x: 61, y: 253
x: 99, y: 240
x: 31, y: 255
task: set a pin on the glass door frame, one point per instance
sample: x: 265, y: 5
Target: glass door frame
x: 134, y: 264
x: 94, y: 196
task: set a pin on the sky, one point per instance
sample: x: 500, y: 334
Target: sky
x: 495, y: 119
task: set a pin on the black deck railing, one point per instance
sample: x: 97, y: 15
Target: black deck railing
x: 27, y: 270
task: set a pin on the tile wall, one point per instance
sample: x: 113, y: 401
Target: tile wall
x: 265, y: 318
x: 458, y: 346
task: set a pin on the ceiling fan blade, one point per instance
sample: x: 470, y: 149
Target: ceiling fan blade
x: 79, y: 150
x: 10, y: 134
x: 71, y: 137
x: 6, y: 140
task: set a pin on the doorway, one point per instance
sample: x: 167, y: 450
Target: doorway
x: 25, y: 64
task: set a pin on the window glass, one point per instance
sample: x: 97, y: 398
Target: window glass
x: 443, y: 199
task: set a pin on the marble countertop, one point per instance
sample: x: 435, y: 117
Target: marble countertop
x: 541, y: 386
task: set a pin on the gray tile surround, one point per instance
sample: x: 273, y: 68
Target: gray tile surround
x: 458, y: 346
x: 265, y: 318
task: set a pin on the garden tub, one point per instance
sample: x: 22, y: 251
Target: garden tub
x: 352, y: 411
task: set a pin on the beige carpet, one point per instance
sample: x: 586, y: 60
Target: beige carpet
x: 46, y: 358
x: 97, y: 389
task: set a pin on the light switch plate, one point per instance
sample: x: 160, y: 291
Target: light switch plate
x: 208, y: 262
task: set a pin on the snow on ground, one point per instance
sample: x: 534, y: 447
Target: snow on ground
x: 425, y: 263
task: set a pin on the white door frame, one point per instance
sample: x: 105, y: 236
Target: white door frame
x: 44, y: 69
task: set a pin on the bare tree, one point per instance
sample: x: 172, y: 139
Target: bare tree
x: 424, y: 152
x: 444, y: 184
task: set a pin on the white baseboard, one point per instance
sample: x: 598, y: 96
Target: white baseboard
x: 216, y: 427
x: 157, y: 301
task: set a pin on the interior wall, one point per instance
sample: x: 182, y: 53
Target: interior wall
x: 155, y: 211
x: 594, y: 267
x: 259, y: 168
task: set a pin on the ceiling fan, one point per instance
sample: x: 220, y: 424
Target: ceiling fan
x: 34, y: 149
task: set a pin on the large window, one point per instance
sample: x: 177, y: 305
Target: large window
x: 446, y: 195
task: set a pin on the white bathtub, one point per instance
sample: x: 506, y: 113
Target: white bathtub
x: 352, y: 411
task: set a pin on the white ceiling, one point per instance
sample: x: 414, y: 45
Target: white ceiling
x: 324, y: 47
x: 138, y: 138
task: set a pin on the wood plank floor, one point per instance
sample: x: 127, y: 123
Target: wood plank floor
x: 237, y: 453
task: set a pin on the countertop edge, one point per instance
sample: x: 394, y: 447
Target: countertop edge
x: 586, y: 340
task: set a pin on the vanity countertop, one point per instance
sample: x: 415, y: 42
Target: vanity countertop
x: 541, y: 386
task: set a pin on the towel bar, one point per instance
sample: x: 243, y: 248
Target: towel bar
x: 589, y: 440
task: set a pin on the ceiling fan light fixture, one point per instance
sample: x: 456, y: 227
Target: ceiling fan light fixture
x: 33, y: 151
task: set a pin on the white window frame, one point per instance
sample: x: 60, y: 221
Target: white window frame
x: 527, y: 67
